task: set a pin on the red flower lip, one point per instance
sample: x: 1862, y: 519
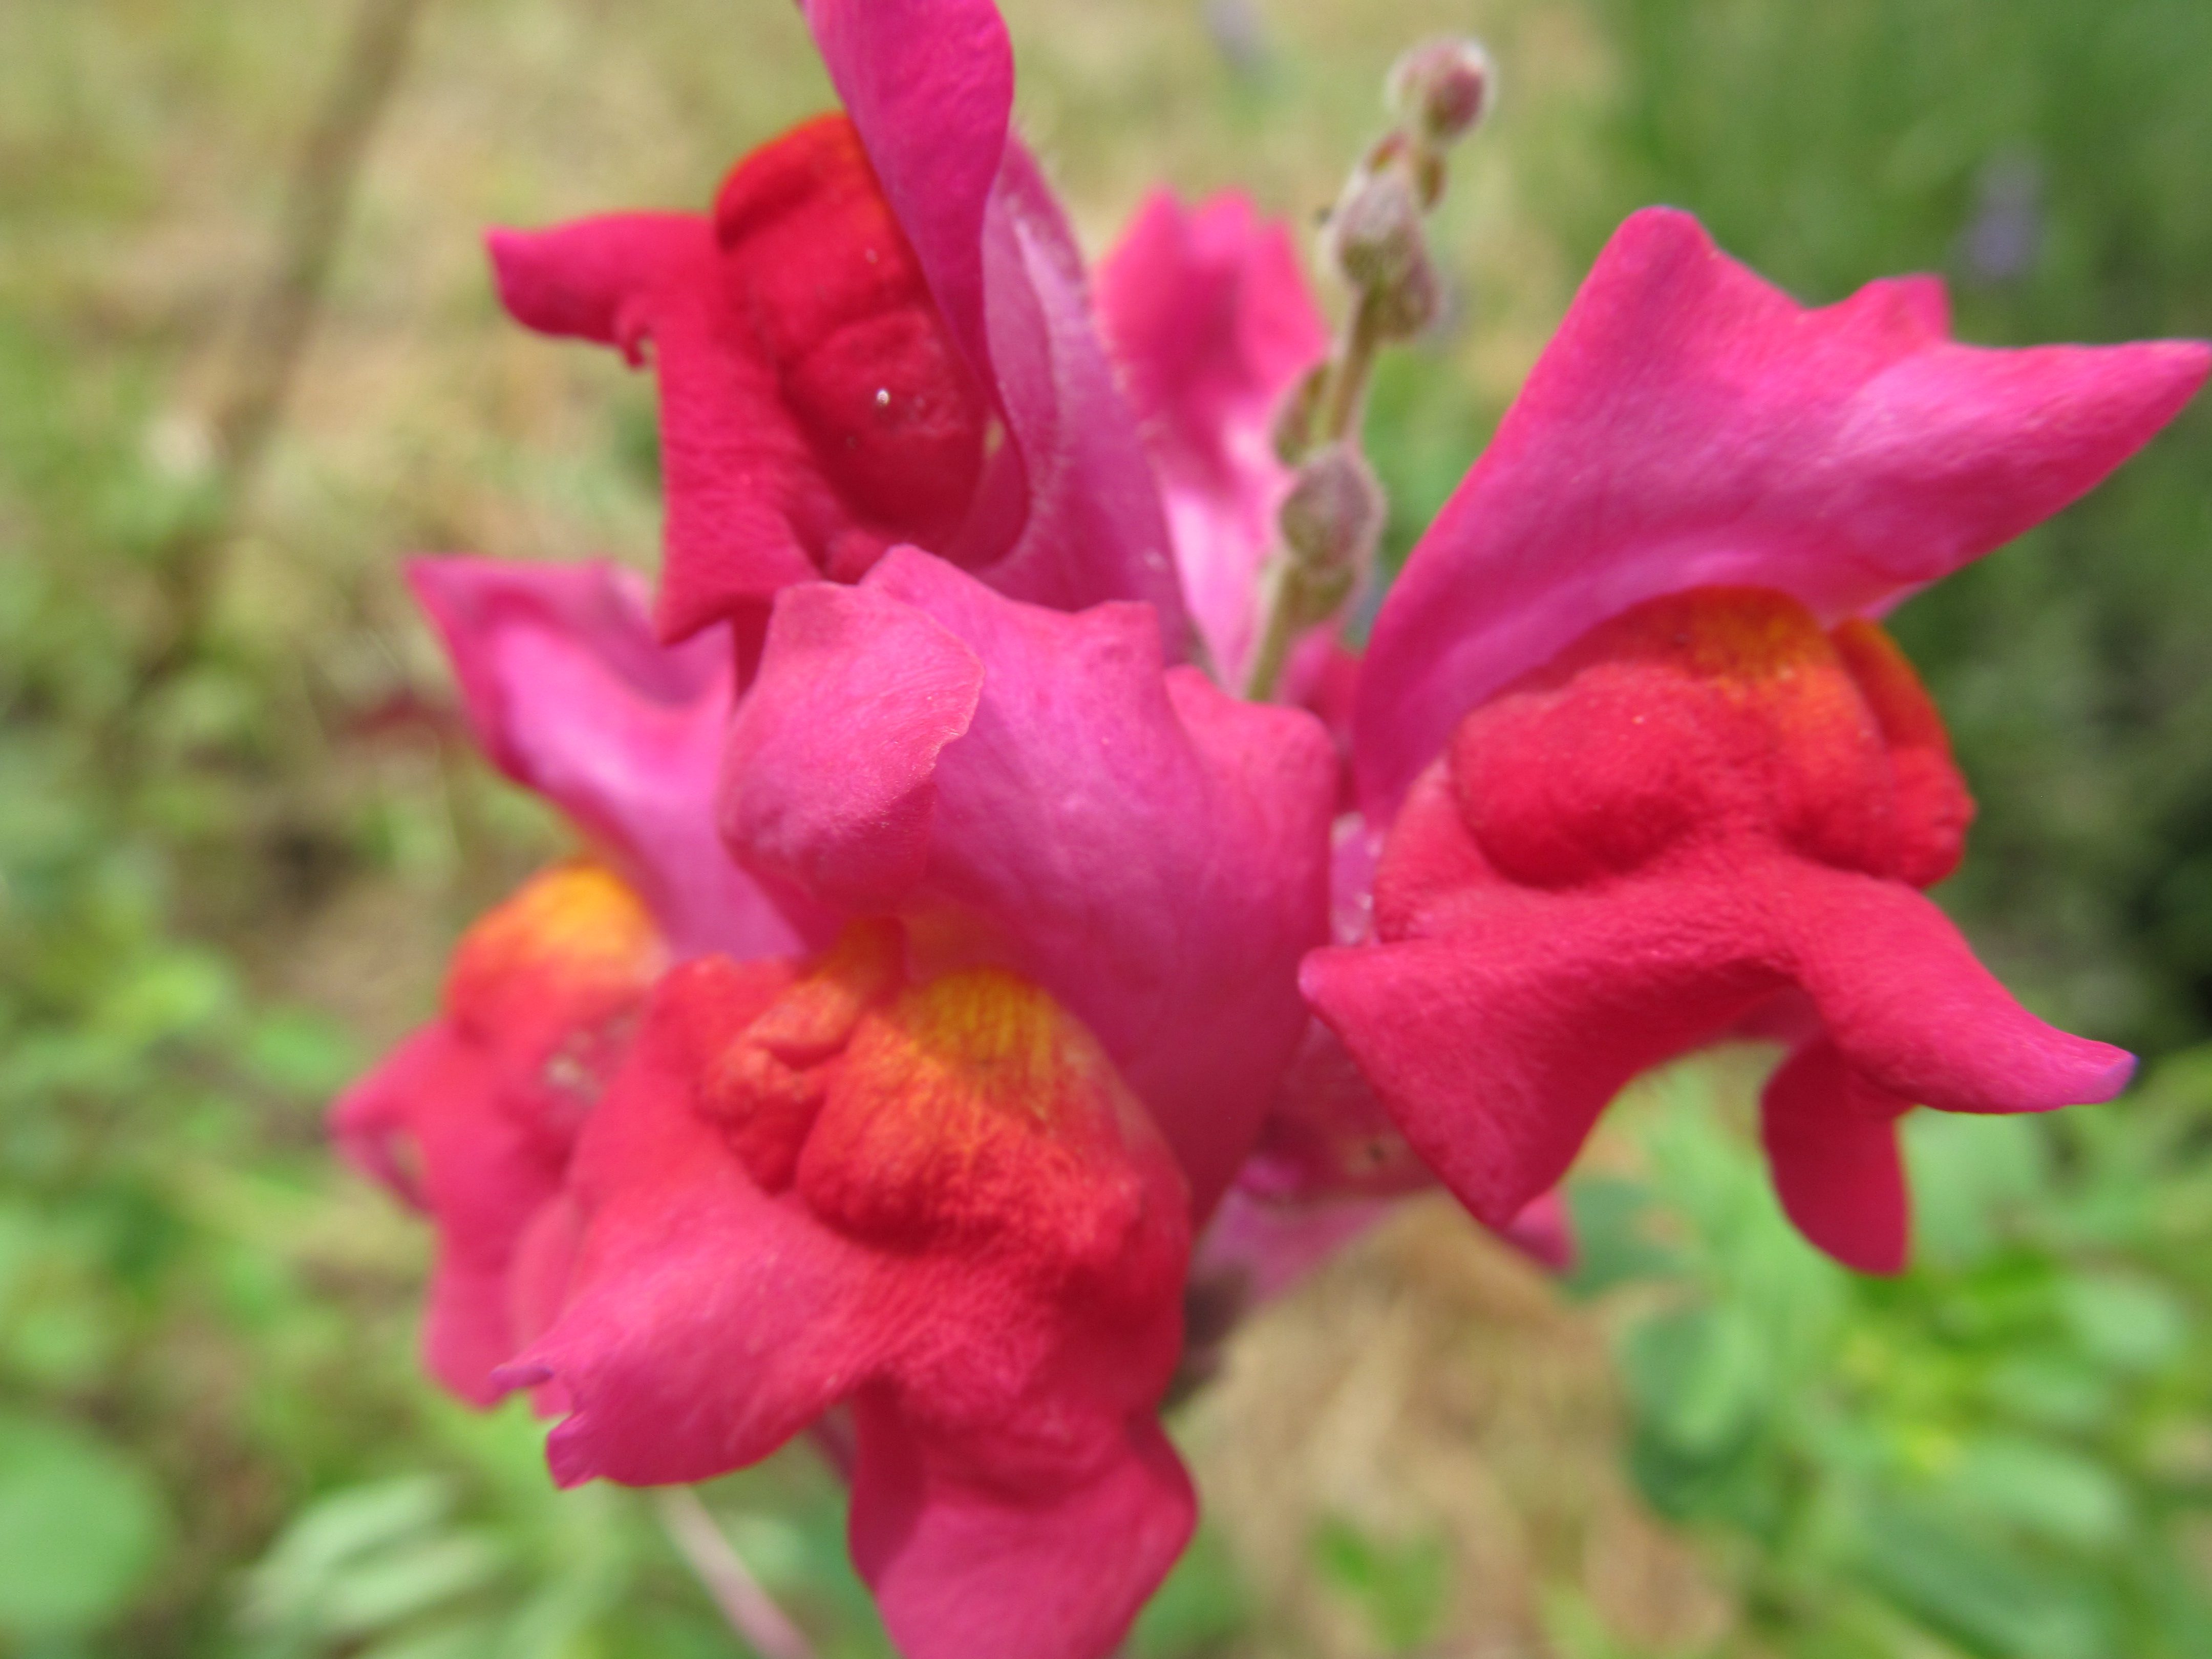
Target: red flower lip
x: 1705, y: 804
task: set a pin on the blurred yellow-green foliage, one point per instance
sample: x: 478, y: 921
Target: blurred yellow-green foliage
x: 237, y: 831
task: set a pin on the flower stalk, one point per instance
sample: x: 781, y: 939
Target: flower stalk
x: 1376, y: 241
x: 748, y: 1609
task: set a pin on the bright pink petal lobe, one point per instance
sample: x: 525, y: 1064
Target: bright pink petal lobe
x: 1690, y: 426
x: 596, y: 279
x: 1209, y: 318
x: 832, y: 761
x: 1903, y: 996
x: 1070, y: 515
x: 1151, y: 852
x: 972, y: 1234
x: 1830, y: 1139
x: 930, y: 86
x: 938, y: 1549
x: 1705, y: 805
x: 569, y: 693
x: 473, y: 1117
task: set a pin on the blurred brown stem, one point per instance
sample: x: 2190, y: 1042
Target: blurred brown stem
x: 278, y: 326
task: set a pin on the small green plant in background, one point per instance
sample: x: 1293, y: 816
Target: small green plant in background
x: 81, y: 1525
x: 1400, y: 1589
x: 2005, y: 1451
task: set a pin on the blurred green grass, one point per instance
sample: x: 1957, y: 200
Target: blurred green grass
x: 218, y: 897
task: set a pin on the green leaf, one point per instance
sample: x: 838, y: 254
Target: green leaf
x: 1697, y: 1377
x: 2125, y: 1321
x: 2042, y: 1489
x: 80, y: 1525
x: 303, y: 1052
x: 1199, y: 1609
x: 1993, y: 1602
x: 1400, y: 1589
x: 288, y: 1586
x: 397, y: 1584
x: 1612, y: 1242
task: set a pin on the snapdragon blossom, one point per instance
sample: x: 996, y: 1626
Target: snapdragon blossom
x: 956, y: 981
x: 1649, y: 771
x: 880, y: 335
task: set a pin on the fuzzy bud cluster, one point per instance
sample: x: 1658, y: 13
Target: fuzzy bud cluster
x: 1374, y: 237
x: 1442, y: 88
x: 1376, y: 241
x: 1331, y: 522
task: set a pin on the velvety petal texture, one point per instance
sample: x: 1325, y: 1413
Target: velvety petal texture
x: 935, y: 1201
x: 1706, y: 804
x: 472, y: 1118
x: 1692, y: 425
x: 1030, y: 789
x: 1329, y: 1163
x: 882, y: 334
x: 570, y: 695
x: 1207, y: 312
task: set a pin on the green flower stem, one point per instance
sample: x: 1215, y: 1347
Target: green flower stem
x: 1285, y: 604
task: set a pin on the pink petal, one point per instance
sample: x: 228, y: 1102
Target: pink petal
x: 1257, y: 1247
x: 1696, y: 820
x: 1830, y: 1140
x: 707, y: 1323
x: 995, y: 1289
x: 1914, y: 1012
x: 1545, y: 1232
x: 833, y: 758
x: 482, y: 1171
x: 1148, y: 850
x: 1094, y: 529
x: 571, y: 695
x: 929, y: 84
x: 961, y: 1572
x: 1691, y: 425
x: 1496, y: 1045
x: 597, y: 279
x: 1505, y: 1017
x: 1066, y: 515
x: 736, y: 476
x: 1326, y: 1136
x: 1208, y: 316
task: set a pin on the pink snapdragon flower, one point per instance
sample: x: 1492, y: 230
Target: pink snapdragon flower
x: 963, y: 1150
x: 879, y: 336
x: 956, y: 984
x: 1646, y: 772
x: 474, y: 1117
x: 948, y: 1173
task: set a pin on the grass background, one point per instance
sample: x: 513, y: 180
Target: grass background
x: 228, y: 874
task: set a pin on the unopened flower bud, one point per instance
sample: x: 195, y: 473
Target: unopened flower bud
x: 1332, y: 517
x: 1404, y: 308
x: 1374, y: 232
x: 1442, y: 88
